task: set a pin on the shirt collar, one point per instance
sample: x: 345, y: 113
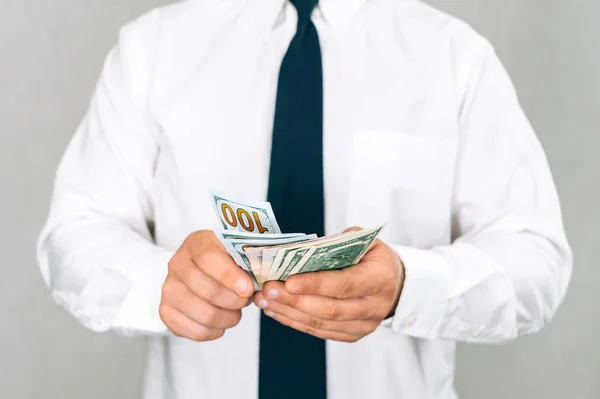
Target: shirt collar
x: 339, y: 13
x: 336, y: 13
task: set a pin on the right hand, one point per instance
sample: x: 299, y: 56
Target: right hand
x: 205, y: 290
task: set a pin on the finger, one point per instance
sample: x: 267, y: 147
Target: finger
x: 354, y: 228
x: 325, y: 308
x: 199, y: 309
x: 205, y: 287
x: 219, y: 265
x: 273, y: 289
x: 353, y: 282
x: 330, y: 335
x: 184, y: 327
x: 356, y: 327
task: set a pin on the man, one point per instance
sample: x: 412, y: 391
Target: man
x: 341, y: 113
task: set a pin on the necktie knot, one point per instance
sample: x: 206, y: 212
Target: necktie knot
x: 304, y: 8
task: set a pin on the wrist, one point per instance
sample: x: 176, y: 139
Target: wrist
x: 392, y: 311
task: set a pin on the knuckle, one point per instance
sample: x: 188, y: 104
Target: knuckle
x: 191, y: 237
x: 347, y: 288
x: 236, y: 319
x: 346, y: 338
x: 199, y: 334
x: 310, y: 283
x: 210, y: 259
x: 231, y: 302
x: 394, y: 296
x: 167, y: 289
x: 194, y: 281
x: 305, y: 328
x: 383, y: 314
x: 374, y: 326
x: 164, y: 313
x: 179, y: 270
x: 178, y: 333
x: 190, y: 241
x: 197, y: 236
x: 292, y: 301
x: 228, y: 274
x: 336, y: 313
x: 203, y: 259
x: 210, y: 291
x: 352, y: 339
x: 368, y: 328
x: 388, y: 289
x: 349, y: 338
x: 177, y: 267
x: 241, y: 303
x: 212, y: 315
x: 219, y: 334
x: 371, y: 312
x: 216, y: 335
x: 315, y: 283
x: 332, y: 312
x: 315, y: 322
x: 378, y: 314
x: 309, y: 330
x: 172, y: 264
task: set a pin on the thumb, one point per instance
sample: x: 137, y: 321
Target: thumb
x: 355, y: 228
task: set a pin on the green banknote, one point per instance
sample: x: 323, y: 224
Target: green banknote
x: 292, y: 260
x: 338, y: 254
x: 245, y: 216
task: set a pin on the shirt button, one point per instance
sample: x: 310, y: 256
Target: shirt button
x: 411, y: 321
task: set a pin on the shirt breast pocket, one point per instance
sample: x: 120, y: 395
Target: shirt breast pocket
x: 405, y: 180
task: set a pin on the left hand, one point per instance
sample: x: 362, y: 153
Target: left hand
x: 341, y: 305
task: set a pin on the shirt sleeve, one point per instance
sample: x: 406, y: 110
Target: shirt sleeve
x: 96, y: 251
x: 509, y: 264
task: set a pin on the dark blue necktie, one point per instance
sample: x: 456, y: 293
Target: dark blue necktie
x: 292, y: 364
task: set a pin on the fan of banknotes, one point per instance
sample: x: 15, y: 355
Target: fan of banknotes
x: 252, y: 237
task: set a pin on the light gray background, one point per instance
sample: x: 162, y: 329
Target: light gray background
x: 51, y: 52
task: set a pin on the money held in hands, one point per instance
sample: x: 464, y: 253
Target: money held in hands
x: 253, y: 239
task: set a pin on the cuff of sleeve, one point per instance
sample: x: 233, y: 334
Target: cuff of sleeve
x: 425, y: 295
x: 139, y: 311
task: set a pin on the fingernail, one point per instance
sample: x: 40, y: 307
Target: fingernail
x: 270, y: 314
x: 242, y: 286
x: 296, y: 289
x: 273, y: 294
x: 263, y: 304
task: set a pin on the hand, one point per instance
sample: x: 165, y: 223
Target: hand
x: 341, y: 305
x: 204, y: 291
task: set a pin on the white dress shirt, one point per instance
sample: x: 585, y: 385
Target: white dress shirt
x: 422, y: 130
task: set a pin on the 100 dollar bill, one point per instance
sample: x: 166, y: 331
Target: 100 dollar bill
x: 245, y: 216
